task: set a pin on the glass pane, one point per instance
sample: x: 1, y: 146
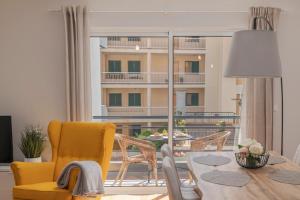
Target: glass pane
x: 115, y: 99
x: 205, y: 102
x: 114, y: 66
x: 134, y: 99
x: 134, y: 66
x: 131, y: 90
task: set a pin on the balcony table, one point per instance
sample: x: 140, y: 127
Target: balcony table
x: 260, y: 186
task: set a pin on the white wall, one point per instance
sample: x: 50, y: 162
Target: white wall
x: 32, y: 85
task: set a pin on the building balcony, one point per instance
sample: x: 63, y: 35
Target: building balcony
x: 180, y: 43
x: 151, y: 78
x: 148, y: 111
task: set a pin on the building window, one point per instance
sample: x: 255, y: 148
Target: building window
x: 134, y: 39
x: 192, y: 99
x: 134, y: 99
x: 134, y: 66
x: 114, y: 66
x: 115, y: 99
x: 114, y: 38
x: 192, y: 66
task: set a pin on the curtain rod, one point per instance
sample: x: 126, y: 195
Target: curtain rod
x: 159, y: 11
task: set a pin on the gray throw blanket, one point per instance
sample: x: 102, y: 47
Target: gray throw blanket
x: 89, y: 180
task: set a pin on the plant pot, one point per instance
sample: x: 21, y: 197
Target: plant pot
x: 33, y: 160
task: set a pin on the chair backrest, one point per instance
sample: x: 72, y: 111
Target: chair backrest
x: 123, y: 144
x: 219, y: 139
x: 296, y: 158
x: 145, y: 147
x: 81, y: 141
x: 167, y: 152
x: 173, y: 185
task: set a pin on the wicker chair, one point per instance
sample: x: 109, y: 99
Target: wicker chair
x: 218, y: 139
x: 147, y: 155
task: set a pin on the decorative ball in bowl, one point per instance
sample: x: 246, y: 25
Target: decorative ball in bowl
x: 251, y: 155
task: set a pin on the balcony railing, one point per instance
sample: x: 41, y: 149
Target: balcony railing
x: 158, y: 43
x: 189, y: 43
x: 148, y: 111
x: 201, y: 118
x: 151, y: 78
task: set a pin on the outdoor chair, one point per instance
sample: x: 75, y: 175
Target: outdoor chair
x: 147, y: 155
x: 218, y: 139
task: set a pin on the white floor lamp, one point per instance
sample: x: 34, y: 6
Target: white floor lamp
x: 254, y: 53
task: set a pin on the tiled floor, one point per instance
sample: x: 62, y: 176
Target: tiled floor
x: 138, y: 174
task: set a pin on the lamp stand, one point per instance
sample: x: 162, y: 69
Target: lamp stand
x: 281, y: 84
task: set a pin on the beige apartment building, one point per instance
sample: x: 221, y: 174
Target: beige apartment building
x: 134, y: 81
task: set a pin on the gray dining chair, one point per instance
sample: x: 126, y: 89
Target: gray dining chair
x: 296, y: 158
x: 175, y: 190
x: 167, y: 152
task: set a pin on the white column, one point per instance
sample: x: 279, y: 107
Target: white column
x: 170, y: 90
x: 149, y: 98
x: 95, y: 77
x: 149, y: 57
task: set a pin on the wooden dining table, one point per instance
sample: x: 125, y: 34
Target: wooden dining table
x: 260, y: 186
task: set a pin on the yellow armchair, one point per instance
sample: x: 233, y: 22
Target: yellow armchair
x: 69, y: 141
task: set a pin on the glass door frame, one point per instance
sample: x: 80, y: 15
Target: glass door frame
x: 170, y: 36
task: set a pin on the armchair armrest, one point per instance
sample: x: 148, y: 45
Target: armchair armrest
x: 29, y: 173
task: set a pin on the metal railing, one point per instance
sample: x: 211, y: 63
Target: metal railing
x: 151, y: 78
x: 191, y: 114
x: 194, y: 131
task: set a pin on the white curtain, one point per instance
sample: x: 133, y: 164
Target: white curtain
x: 257, y: 102
x: 78, y: 84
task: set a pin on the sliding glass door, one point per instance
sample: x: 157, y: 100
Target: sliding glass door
x: 131, y: 90
x: 162, y: 89
x: 204, y: 102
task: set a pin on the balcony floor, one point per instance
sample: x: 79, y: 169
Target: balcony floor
x: 137, y: 175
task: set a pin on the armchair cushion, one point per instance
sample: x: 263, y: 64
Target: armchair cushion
x: 38, y: 191
x: 29, y: 173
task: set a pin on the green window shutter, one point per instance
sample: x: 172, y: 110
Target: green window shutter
x: 115, y: 99
x: 192, y: 99
x: 114, y: 66
x: 195, y: 99
x: 195, y: 66
x: 192, y: 66
x: 134, y: 66
x: 134, y: 99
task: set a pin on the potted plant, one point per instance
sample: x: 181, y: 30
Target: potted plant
x: 32, y: 144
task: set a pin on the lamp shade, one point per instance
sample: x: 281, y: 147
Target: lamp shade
x: 253, y: 53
